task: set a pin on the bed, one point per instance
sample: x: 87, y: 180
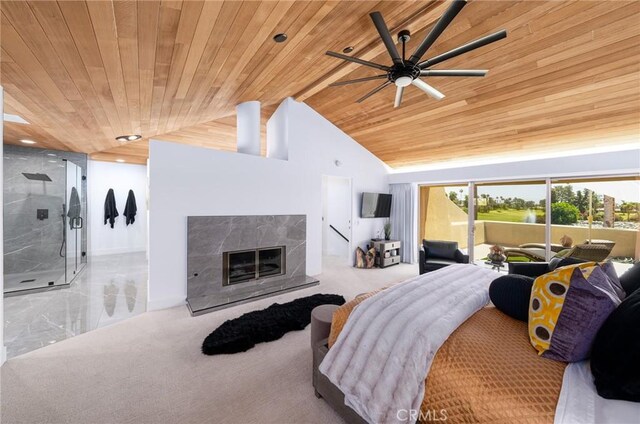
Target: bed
x: 483, y: 373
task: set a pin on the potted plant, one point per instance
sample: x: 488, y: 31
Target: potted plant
x: 387, y: 231
x: 496, y: 254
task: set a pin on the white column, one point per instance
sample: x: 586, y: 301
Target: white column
x: 249, y: 127
x: 277, y: 134
x: 471, y: 223
x: 3, y: 350
x: 547, y: 221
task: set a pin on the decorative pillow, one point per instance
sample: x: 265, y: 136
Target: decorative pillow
x: 610, y: 270
x: 630, y: 280
x: 510, y: 294
x: 616, y: 349
x: 568, y: 306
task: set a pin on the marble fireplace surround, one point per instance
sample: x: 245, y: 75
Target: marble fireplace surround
x: 208, y: 237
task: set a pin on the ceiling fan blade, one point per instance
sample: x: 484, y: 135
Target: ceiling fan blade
x: 359, y: 61
x: 381, y: 26
x: 464, y: 49
x: 399, y: 92
x: 454, y: 73
x: 372, y: 92
x: 428, y: 89
x: 437, y: 29
x: 338, y: 83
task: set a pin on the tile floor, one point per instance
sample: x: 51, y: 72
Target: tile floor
x: 111, y: 288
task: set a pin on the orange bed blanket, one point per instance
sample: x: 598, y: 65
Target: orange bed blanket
x: 486, y: 372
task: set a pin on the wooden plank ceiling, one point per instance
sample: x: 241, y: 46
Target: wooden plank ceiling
x: 83, y: 73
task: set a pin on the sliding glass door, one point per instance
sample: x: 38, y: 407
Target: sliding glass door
x: 511, y: 216
x: 536, y: 220
x: 599, y: 211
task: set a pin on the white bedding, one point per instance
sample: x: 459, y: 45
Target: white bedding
x: 579, y: 402
x: 388, y: 344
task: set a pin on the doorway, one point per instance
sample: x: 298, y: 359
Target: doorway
x: 337, y: 202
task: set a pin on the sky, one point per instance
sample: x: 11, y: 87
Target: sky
x: 628, y: 191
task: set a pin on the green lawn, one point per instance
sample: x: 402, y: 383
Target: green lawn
x: 506, y: 215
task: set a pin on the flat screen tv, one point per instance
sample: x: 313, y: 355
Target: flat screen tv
x: 376, y: 205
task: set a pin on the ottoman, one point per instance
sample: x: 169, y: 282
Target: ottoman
x: 321, y: 322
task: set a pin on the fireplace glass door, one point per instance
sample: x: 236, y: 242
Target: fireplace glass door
x: 240, y: 266
x: 271, y: 261
x: 245, y: 265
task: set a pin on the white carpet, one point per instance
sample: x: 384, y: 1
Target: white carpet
x: 149, y: 369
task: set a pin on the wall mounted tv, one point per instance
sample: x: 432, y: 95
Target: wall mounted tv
x: 376, y: 205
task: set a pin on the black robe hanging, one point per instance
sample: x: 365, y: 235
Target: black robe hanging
x: 131, y: 208
x: 110, y: 210
x: 74, y: 209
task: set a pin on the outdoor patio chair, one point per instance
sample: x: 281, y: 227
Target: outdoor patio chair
x: 554, y: 247
x: 588, y: 252
x: 533, y: 254
x: 609, y: 243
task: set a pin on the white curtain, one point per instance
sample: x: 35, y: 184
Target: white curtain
x: 404, y: 219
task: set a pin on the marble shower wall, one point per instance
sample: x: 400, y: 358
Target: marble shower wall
x: 32, y: 245
x: 208, y: 237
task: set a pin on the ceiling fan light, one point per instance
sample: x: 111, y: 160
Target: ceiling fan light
x: 403, y: 81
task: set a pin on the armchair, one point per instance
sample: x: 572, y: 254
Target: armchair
x: 436, y: 254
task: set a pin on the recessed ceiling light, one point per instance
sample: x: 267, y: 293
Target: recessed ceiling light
x: 280, y: 38
x: 347, y: 49
x: 130, y: 137
x: 28, y: 141
x: 120, y: 160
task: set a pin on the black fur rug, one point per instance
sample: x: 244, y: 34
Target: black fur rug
x: 243, y: 333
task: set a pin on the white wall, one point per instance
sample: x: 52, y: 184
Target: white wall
x: 186, y: 180
x: 121, y: 177
x: 3, y: 350
x: 606, y: 163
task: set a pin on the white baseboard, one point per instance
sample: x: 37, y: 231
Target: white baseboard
x: 167, y: 302
x: 115, y: 251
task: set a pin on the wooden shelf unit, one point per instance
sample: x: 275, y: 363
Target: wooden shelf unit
x: 382, y: 247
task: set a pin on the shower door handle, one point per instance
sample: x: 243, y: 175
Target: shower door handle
x: 78, y: 223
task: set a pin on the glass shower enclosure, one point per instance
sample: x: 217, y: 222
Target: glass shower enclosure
x: 44, y: 219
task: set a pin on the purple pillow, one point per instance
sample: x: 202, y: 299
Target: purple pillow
x: 568, y: 307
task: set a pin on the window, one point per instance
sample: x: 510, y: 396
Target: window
x: 513, y: 215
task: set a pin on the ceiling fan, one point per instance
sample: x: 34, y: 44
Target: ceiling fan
x: 405, y: 72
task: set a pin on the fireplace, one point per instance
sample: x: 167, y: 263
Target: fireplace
x: 237, y: 259
x: 247, y: 265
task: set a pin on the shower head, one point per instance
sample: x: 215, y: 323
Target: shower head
x: 36, y: 177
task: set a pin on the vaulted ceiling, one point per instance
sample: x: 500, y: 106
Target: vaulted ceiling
x: 82, y: 73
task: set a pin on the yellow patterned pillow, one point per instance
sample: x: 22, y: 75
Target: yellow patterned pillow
x: 547, y: 298
x: 568, y: 306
